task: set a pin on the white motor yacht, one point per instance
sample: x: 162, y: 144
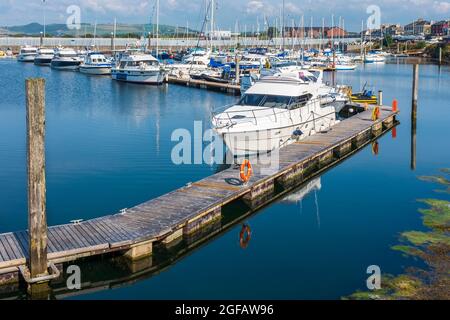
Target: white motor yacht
x: 27, y: 54
x: 66, y: 59
x: 276, y: 111
x: 138, y: 68
x: 96, y: 63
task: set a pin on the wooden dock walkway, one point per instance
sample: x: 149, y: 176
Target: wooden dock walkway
x: 183, y: 211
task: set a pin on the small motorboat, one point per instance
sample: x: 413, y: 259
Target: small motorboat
x: 138, y: 67
x: 96, y: 64
x: 66, y: 59
x: 44, y: 57
x: 27, y: 54
x: 365, y: 96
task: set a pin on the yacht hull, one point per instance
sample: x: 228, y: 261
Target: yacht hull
x: 65, y: 65
x: 147, y: 77
x: 42, y: 61
x: 27, y: 58
x: 95, y: 70
x: 263, y: 141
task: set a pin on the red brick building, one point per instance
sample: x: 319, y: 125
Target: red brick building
x: 440, y: 28
x: 335, y: 32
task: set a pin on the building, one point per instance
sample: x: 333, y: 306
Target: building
x: 314, y: 32
x: 306, y: 32
x: 335, y: 32
x: 392, y: 29
x: 440, y: 28
x: 418, y: 27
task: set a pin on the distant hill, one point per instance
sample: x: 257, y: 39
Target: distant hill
x: 34, y: 29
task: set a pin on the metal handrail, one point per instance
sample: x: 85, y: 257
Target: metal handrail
x: 283, y: 111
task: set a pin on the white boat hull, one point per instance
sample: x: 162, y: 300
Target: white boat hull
x: 263, y: 141
x: 95, y: 70
x: 26, y: 58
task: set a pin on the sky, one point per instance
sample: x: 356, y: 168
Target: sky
x: 229, y: 13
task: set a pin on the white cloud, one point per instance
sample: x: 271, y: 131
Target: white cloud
x: 255, y: 6
x: 441, y: 6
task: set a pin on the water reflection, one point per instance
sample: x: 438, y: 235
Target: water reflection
x: 300, y: 194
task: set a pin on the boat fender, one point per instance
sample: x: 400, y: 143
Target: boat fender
x: 297, y: 132
x: 375, y: 113
x: 245, y: 177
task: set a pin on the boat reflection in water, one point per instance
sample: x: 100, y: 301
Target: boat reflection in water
x: 298, y: 195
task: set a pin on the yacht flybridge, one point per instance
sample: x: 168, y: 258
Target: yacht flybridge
x: 276, y: 111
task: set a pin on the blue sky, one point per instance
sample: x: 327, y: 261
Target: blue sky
x: 179, y: 12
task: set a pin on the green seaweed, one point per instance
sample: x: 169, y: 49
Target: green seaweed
x: 432, y: 247
x: 435, y: 179
x: 437, y: 216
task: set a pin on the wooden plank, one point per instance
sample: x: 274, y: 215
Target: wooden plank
x: 67, y: 233
x: 22, y: 238
x: 7, y: 247
x: 3, y: 253
x: 18, y: 254
x: 66, y: 243
x: 214, y: 185
x: 55, y: 241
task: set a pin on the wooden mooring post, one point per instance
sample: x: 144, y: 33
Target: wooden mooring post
x: 37, y: 218
x: 415, y: 97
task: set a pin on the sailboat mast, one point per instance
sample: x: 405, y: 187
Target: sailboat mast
x: 212, y: 23
x: 45, y: 24
x: 282, y: 27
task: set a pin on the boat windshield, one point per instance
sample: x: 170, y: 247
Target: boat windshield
x: 273, y: 101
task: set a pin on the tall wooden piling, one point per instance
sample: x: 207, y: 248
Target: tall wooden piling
x: 440, y: 55
x: 415, y: 97
x: 37, y: 219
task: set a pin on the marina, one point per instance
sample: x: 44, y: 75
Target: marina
x: 104, y: 246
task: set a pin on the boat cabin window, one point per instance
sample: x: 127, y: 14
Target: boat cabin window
x: 300, y: 101
x: 138, y: 63
x: 266, y: 101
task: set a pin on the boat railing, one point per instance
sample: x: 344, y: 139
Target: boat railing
x: 276, y: 113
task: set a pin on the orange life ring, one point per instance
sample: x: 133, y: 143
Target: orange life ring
x: 245, y: 236
x: 246, y: 176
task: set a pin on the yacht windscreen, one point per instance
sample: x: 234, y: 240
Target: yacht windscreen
x: 267, y: 101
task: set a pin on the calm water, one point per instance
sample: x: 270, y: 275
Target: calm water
x: 108, y: 147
